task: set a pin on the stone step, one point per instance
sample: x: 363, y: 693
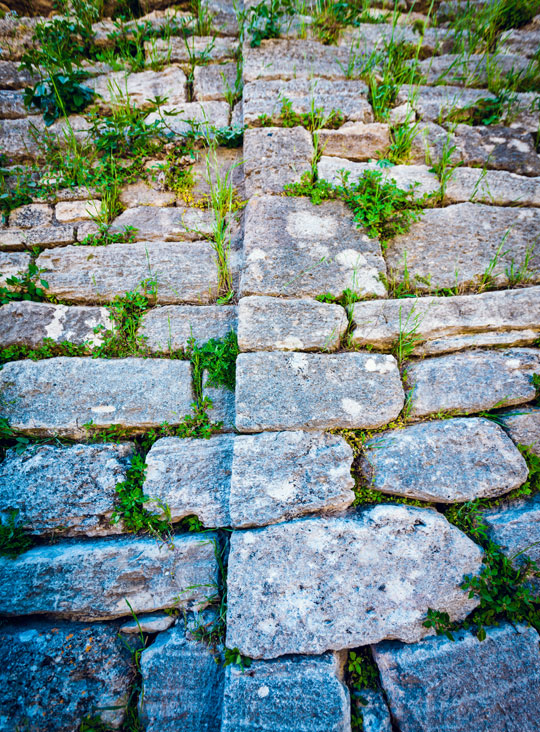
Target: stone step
x: 60, y: 395
x: 276, y: 391
x: 333, y: 583
x: 448, y: 461
x: 120, y: 576
x: 169, y: 328
x: 274, y: 157
x: 157, y: 223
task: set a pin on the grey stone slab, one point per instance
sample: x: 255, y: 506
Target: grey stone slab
x: 520, y: 42
x: 69, y: 490
x: 295, y: 249
x: 448, y: 323
x: 223, y: 407
x: 169, y: 328
x: 145, y: 193
x: 516, y: 529
x: 523, y: 426
x: 150, y: 623
x: 19, y: 135
x: 356, y: 141
x: 210, y: 83
x: 56, y: 674
x: 457, y: 245
x: 60, y: 395
x: 191, y: 477
x: 277, y: 476
x: 498, y: 148
x: 436, y: 103
x: 41, y: 236
x: 12, y: 264
x: 193, y: 115
x: 469, y: 70
x: 453, y: 460
x: 372, y: 709
x: 277, y: 391
x: 495, y: 187
x: 294, y: 59
x: 30, y: 215
x: 472, y: 381
x: 297, y: 694
x: 75, y: 211
x: 487, y: 686
x: 27, y: 323
x: 274, y: 157
x: 432, y: 144
x: 178, y: 49
x: 11, y: 77
x: 114, y: 89
x: 265, y: 97
x: 275, y: 324
x: 156, y: 223
x: 334, y: 583
x: 182, y: 683
x: 149, y: 574
x: 185, y: 272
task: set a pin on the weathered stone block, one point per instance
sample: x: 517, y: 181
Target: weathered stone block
x: 183, y: 271
x: 143, y: 193
x: 33, y: 214
x: 495, y: 187
x: 142, y: 571
x: 166, y: 224
x: 356, y: 141
x: 294, y: 59
x: 190, y: 115
x: 178, y: 49
x: 469, y: 70
x: 183, y: 685
x: 274, y: 157
x: 298, y: 694
x: 11, y: 77
x: 278, y: 391
x: 523, y: 426
x: 191, y: 477
x: 210, y: 83
x: 66, y: 489
x: 68, y: 212
x: 372, y: 709
x: 489, y: 686
x: 437, y: 103
x: 151, y: 623
x: 295, y: 249
x: 135, y: 393
x: 27, y: 323
x: 456, y: 245
x: 449, y: 323
x: 472, y: 381
x: 447, y: 461
x: 277, y: 476
x: 275, y: 324
x: 169, y: 328
x: 56, y: 674
x: 12, y: 264
x: 498, y: 148
x: 318, y: 584
x: 223, y: 407
x: 115, y: 88
x: 41, y: 236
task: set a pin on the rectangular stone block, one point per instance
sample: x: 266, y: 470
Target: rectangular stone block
x: 180, y: 271
x: 294, y: 59
x: 169, y: 328
x: 436, y: 103
x: 210, y: 82
x: 356, y: 141
x: 277, y: 391
x: 92, y: 580
x: 42, y: 236
x: 60, y: 395
x: 178, y: 49
x: 156, y: 223
x: 274, y: 157
x: 495, y: 187
x: 12, y: 264
x: 140, y: 88
x: 293, y: 248
x: 193, y: 115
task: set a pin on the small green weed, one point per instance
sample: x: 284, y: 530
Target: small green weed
x: 233, y: 657
x: 48, y: 349
x: 266, y: 19
x: 13, y: 538
x: 24, y: 286
x: 105, y: 236
x: 130, y: 500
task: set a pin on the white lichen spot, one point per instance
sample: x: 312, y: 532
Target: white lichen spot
x: 299, y: 362
x: 370, y: 365
x: 351, y: 259
x: 55, y: 328
x: 351, y: 407
x: 256, y: 255
x: 104, y: 409
x: 290, y: 343
x: 281, y: 491
x: 262, y: 692
x: 305, y: 224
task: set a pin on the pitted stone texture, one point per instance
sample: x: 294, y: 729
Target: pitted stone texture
x: 93, y: 580
x: 523, y: 426
x: 210, y: 83
x: 278, y: 391
x: 487, y: 686
x: 178, y: 49
x: 27, y: 323
x: 11, y: 265
x: 275, y: 324
x: 447, y: 461
x: 437, y: 103
x: 294, y: 59
x: 42, y: 236
x: 68, y: 489
x: 183, y: 685
x: 295, y: 249
x: 169, y: 328
x: 450, y: 323
x: 135, y: 393
x: 33, y: 214
x: 516, y: 529
x: 455, y: 246
x: 408, y: 177
x: 203, y: 115
x: 297, y: 694
x: 166, y: 224
x: 472, y: 381
x: 356, y: 141
x: 114, y: 89
x: 184, y: 271
x: 372, y: 709
x: 277, y: 476
x: 498, y: 148
x: 495, y: 187
x: 191, y: 477
x: 274, y: 157
x: 264, y: 98
x: 56, y: 674
x: 318, y: 584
